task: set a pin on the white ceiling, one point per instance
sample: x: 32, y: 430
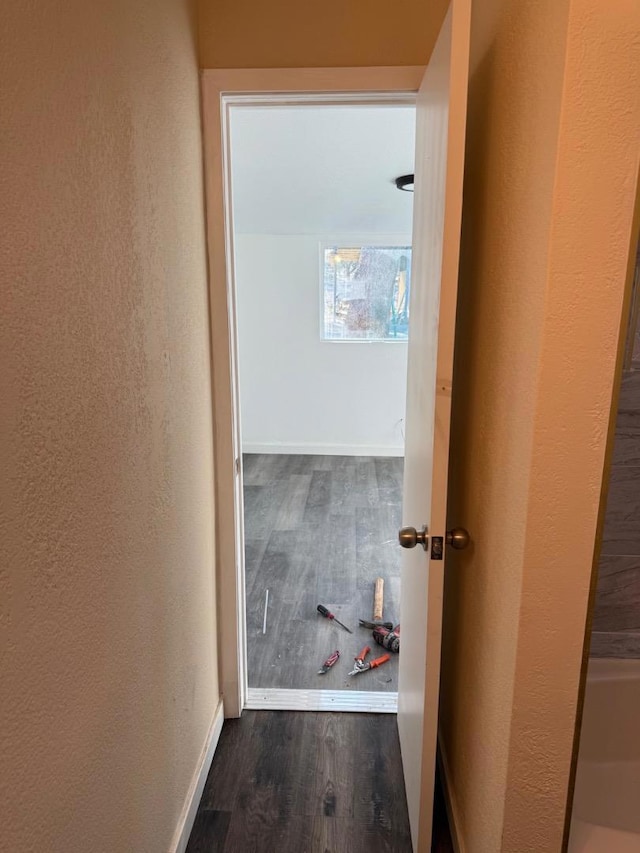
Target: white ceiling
x: 321, y: 170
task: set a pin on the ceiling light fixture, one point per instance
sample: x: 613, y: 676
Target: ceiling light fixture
x: 405, y: 183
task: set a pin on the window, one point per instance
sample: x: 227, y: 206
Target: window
x: 365, y: 291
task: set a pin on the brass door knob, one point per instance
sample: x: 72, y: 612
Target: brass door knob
x: 458, y: 538
x: 409, y: 537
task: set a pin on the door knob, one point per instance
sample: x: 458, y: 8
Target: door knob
x: 409, y: 537
x: 458, y: 538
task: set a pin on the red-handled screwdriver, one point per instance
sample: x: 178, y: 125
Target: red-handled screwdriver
x: 329, y: 615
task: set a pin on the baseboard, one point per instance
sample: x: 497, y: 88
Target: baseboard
x: 453, y: 811
x: 194, y: 794
x: 324, y: 449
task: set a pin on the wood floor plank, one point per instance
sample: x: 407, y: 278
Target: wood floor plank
x: 258, y: 831
x: 366, y: 483
x: 335, y: 560
x: 229, y: 768
x: 379, y: 805
x: 254, y: 551
x: 322, y: 463
x: 389, y: 477
x: 275, y: 796
x: 335, y: 770
x: 305, y: 782
x: 262, y: 507
x: 368, y: 543
x: 291, y: 511
x: 296, y: 464
x: 285, y: 748
x: 254, y: 471
x: 318, y: 505
x: 340, y: 835
x: 209, y: 833
x: 344, y: 491
x: 377, y: 555
x: 335, y: 835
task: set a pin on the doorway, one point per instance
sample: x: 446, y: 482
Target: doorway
x: 321, y: 274
x: 439, y: 93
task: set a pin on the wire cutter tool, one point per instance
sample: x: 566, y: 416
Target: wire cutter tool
x: 362, y: 666
x: 326, y: 666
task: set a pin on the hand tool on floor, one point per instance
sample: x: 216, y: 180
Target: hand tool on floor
x: 389, y: 639
x: 364, y: 623
x: 363, y: 666
x: 329, y: 615
x: 378, y: 599
x: 326, y: 666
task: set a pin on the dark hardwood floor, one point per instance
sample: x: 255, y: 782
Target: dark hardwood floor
x: 305, y: 782
x: 319, y: 530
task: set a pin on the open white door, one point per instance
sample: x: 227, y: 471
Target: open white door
x: 440, y: 136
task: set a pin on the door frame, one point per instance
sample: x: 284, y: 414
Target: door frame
x: 221, y: 89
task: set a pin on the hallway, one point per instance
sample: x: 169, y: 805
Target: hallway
x: 304, y: 782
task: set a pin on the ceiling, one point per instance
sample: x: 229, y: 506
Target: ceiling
x: 321, y: 170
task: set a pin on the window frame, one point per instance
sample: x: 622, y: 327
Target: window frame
x: 393, y: 241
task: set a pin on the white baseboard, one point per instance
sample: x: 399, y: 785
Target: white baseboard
x: 324, y: 449
x: 451, y: 804
x: 194, y: 794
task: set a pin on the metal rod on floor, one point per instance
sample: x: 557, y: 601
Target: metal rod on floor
x: 266, y: 604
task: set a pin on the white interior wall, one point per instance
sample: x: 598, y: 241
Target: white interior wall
x: 301, y: 175
x: 300, y: 394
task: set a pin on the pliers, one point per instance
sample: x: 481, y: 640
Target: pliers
x: 361, y: 666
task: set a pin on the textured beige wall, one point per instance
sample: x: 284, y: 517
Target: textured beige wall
x: 589, y: 248
x: 336, y: 33
x: 107, y: 647
x: 514, y: 102
x: 552, y: 161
